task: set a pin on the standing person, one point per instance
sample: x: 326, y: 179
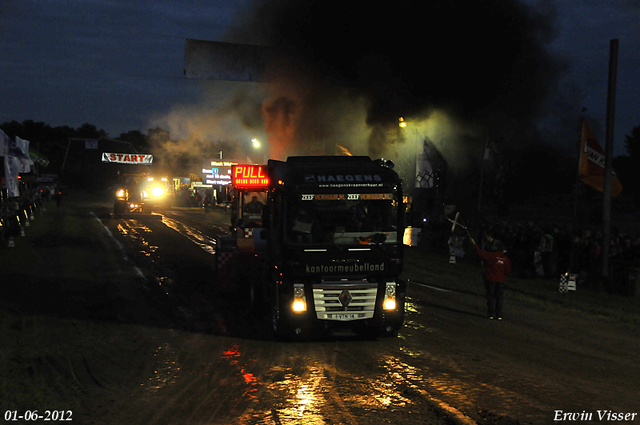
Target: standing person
x: 496, y: 265
x: 206, y: 203
x: 254, y: 207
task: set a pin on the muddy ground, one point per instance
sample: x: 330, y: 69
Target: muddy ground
x: 116, y: 320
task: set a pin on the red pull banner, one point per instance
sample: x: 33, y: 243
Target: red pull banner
x: 247, y: 176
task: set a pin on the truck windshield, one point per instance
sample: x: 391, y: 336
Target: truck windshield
x: 342, y: 219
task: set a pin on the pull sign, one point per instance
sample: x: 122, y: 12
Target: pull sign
x: 244, y: 176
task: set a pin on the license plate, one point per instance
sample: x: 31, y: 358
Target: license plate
x: 348, y: 316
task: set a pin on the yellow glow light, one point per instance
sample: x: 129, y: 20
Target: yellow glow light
x: 299, y: 306
x: 389, y: 304
x: 157, y: 191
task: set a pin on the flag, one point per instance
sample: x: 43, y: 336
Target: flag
x: 5, y: 142
x: 489, y: 151
x: 424, y: 168
x: 10, y: 148
x: 11, y: 164
x: 343, y: 151
x: 38, y: 158
x: 25, y: 161
x: 592, y: 160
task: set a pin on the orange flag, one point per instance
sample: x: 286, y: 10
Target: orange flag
x: 592, y: 158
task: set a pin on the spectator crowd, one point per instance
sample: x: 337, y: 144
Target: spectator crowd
x: 547, y: 250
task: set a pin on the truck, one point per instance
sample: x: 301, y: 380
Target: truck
x: 327, y: 251
x: 141, y: 193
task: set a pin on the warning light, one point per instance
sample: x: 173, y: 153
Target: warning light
x: 245, y: 176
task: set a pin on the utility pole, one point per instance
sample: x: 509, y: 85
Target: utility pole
x: 608, y: 168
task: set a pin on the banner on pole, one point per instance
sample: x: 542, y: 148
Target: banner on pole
x: 25, y: 161
x: 424, y: 166
x: 128, y: 158
x: 11, y: 154
x: 592, y: 160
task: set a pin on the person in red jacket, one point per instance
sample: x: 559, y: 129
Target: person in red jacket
x: 496, y: 266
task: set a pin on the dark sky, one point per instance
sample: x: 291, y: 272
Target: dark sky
x: 119, y: 64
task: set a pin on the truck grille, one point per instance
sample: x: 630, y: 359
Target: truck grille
x: 345, y: 301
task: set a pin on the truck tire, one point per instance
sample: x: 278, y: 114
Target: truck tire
x: 393, y: 332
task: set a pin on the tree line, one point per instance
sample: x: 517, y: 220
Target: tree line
x: 517, y: 175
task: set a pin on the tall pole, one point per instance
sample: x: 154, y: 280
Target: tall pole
x: 577, y: 188
x: 484, y: 151
x: 64, y: 161
x: 606, y: 207
x: 576, y: 196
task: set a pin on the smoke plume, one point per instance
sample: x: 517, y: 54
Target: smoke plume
x: 481, y: 64
x: 343, y: 73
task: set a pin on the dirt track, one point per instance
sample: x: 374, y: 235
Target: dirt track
x: 171, y: 352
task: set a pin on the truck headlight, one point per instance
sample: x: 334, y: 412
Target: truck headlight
x: 389, y: 302
x: 299, y: 304
x: 157, y: 191
x: 120, y: 194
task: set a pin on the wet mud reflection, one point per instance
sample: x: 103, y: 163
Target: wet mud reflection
x: 234, y: 357
x: 134, y: 230
x: 304, y: 396
x: 166, y: 369
x: 407, y: 379
x: 412, y: 309
x: 207, y: 243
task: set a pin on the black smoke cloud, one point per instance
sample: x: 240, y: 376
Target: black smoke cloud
x: 459, y: 72
x: 474, y: 59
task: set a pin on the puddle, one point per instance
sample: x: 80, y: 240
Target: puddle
x: 207, y: 243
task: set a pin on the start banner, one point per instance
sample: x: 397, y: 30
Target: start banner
x: 128, y: 158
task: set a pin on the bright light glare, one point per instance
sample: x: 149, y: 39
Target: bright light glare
x: 402, y: 123
x: 256, y: 143
x: 389, y: 304
x: 299, y: 306
x: 120, y: 193
x: 157, y: 191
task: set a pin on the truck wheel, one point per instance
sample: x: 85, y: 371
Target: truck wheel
x: 391, y: 331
